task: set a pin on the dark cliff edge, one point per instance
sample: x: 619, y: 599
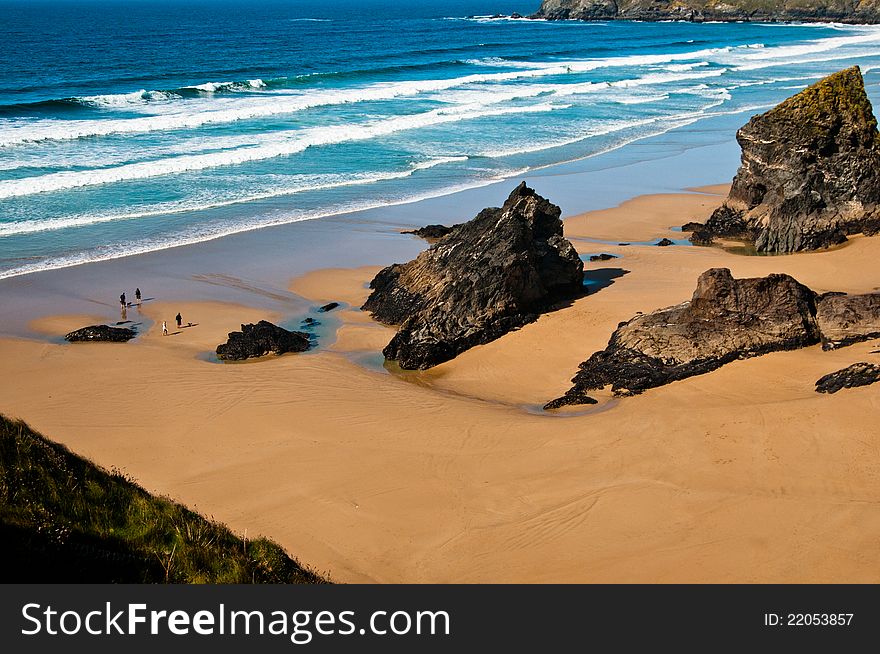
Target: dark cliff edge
x: 771, y: 11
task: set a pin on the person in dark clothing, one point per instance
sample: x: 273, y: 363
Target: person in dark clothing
x: 122, y: 299
x: 137, y: 295
x: 179, y: 320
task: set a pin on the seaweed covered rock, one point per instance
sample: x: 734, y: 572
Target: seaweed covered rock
x: 726, y: 319
x: 261, y: 339
x: 489, y: 276
x: 847, y: 319
x: 810, y: 172
x: 858, y: 374
x: 103, y: 333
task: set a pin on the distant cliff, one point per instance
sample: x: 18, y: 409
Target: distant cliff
x: 844, y: 11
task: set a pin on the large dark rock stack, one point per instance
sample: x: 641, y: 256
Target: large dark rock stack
x: 810, y: 172
x: 487, y: 277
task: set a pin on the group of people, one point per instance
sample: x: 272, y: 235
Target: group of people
x: 124, y: 305
x: 137, y: 297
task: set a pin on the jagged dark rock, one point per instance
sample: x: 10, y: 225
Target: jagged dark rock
x: 261, y: 339
x: 847, y: 319
x: 858, y: 374
x: 103, y: 333
x: 665, y: 242
x: 726, y: 319
x: 602, y: 257
x: 489, y: 276
x: 431, y: 232
x: 844, y: 11
x: 810, y: 172
x: 328, y: 307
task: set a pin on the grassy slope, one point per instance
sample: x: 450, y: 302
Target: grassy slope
x: 63, y: 519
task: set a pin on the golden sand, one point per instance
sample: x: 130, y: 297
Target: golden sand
x: 745, y: 474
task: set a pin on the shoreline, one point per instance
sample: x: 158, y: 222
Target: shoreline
x: 237, y: 267
x: 447, y: 475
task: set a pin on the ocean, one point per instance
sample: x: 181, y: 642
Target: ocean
x: 131, y: 127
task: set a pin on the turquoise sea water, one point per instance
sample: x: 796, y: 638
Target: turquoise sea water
x: 133, y: 127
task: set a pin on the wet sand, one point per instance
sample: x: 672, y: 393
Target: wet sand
x: 745, y: 474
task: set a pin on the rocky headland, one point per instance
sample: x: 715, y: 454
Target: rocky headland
x: 810, y: 172
x: 487, y: 277
x: 858, y: 11
x: 725, y: 320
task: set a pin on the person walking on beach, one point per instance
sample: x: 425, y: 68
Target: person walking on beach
x: 122, y: 300
x: 178, y: 319
x: 164, y: 329
x: 137, y: 295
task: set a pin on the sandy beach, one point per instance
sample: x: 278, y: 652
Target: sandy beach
x: 745, y: 474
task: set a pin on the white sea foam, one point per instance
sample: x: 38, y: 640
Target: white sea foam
x: 216, y: 87
x: 145, y: 97
x: 273, y: 145
x: 676, y: 68
x: 309, y: 183
x: 275, y: 104
x: 766, y: 56
x: 212, y: 232
x: 641, y: 99
x: 126, y: 100
x: 204, y: 233
x: 622, y: 91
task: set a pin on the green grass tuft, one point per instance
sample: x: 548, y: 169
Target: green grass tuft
x: 64, y: 519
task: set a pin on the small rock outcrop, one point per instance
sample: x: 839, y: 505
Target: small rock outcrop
x: 858, y: 374
x: 261, y: 339
x: 431, y: 232
x: 602, y: 257
x: 847, y: 319
x: 810, y: 172
x: 328, y: 307
x: 487, y: 277
x: 726, y: 319
x: 101, y: 333
x: 665, y: 242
